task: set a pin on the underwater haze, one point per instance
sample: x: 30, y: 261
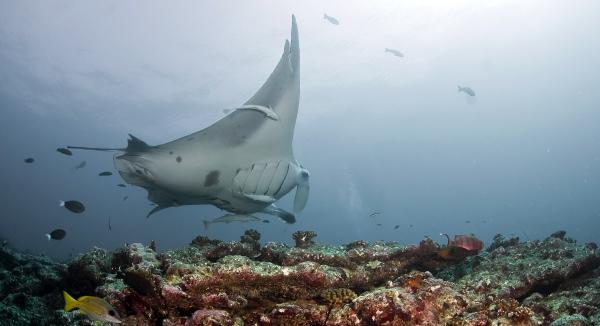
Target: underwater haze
x: 394, y: 150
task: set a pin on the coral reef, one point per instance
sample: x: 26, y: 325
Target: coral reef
x: 30, y: 290
x: 304, y: 238
x: 338, y: 296
x: 211, y: 282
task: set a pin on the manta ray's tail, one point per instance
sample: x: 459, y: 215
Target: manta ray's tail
x: 134, y: 145
x: 96, y: 148
x: 206, y: 224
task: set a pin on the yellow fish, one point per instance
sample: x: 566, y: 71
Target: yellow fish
x: 93, y: 307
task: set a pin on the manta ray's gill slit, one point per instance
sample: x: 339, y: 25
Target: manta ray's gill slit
x: 272, y: 177
x: 243, y: 184
x: 260, y: 175
x: 251, y: 181
x: 287, y: 171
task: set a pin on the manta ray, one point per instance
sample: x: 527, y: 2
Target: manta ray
x: 243, y: 163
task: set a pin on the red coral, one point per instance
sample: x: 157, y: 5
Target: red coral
x: 206, y: 317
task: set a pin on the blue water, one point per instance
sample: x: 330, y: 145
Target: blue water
x: 377, y: 132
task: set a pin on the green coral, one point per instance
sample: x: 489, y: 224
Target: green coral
x: 571, y: 320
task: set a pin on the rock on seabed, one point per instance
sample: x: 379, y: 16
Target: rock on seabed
x: 211, y: 282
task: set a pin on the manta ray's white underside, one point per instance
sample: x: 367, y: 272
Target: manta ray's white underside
x: 242, y: 163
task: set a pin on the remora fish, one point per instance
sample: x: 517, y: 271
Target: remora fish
x: 231, y: 218
x: 243, y: 163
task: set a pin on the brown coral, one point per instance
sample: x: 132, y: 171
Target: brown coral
x: 303, y: 239
x: 337, y: 296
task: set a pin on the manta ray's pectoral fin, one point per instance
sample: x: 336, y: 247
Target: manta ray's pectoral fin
x: 266, y: 110
x: 156, y: 209
x: 282, y: 214
x: 302, y: 191
x: 261, y: 198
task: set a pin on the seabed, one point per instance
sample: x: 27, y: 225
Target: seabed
x: 210, y: 282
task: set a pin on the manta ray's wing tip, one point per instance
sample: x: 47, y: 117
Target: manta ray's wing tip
x: 294, y: 45
x: 294, y: 29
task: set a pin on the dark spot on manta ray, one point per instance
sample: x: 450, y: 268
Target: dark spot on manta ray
x: 190, y: 139
x: 138, y: 172
x: 170, y: 152
x: 178, y: 159
x: 212, y: 178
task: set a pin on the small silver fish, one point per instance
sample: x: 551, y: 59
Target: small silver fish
x: 231, y: 218
x: 80, y: 165
x: 331, y: 19
x: 466, y: 90
x: 394, y: 52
